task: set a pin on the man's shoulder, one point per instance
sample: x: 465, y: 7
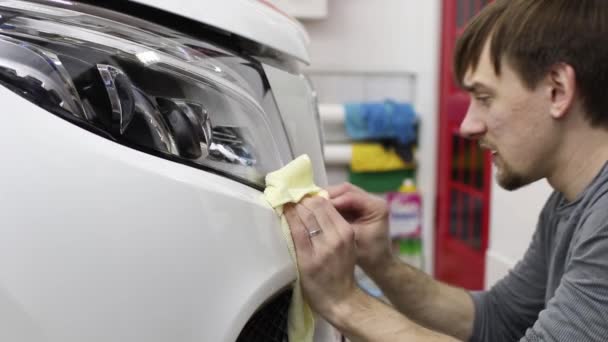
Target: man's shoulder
x: 595, y: 197
x: 593, y: 216
x: 551, y: 204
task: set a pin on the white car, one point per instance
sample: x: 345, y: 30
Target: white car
x: 135, y: 139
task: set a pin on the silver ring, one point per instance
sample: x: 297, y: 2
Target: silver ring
x: 315, y: 232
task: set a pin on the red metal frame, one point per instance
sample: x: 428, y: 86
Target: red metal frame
x: 459, y: 253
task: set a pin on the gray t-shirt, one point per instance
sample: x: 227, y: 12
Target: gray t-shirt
x: 559, y: 290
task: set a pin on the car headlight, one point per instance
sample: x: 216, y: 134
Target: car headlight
x: 144, y: 86
x: 314, y: 97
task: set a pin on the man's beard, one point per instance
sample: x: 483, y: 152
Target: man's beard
x: 509, y: 179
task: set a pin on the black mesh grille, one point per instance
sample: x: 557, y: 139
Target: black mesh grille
x: 269, y: 324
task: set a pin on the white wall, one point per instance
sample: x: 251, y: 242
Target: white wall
x: 512, y: 222
x: 389, y: 36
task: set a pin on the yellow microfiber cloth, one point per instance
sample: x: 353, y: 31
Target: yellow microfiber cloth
x: 289, y: 185
x: 373, y: 157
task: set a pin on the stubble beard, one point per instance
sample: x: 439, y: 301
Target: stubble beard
x: 509, y: 179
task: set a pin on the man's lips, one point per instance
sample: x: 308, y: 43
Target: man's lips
x: 492, y: 150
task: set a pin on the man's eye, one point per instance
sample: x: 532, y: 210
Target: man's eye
x: 483, y: 100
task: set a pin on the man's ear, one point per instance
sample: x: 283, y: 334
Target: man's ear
x: 562, y: 85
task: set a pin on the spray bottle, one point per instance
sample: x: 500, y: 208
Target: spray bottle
x: 405, y: 216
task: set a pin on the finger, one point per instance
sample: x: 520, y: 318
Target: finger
x: 344, y: 228
x: 350, y: 201
x: 326, y: 214
x: 310, y: 222
x: 337, y: 190
x: 341, y: 189
x: 299, y: 234
x: 319, y: 207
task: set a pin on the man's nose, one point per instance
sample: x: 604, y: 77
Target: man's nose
x: 472, y: 127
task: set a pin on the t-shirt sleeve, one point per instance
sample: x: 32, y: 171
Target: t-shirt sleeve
x: 579, y: 309
x: 512, y: 305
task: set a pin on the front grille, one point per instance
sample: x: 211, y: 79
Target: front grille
x: 269, y: 323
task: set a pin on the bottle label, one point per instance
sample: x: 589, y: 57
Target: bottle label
x: 404, y: 215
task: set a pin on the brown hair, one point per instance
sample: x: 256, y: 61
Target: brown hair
x: 534, y: 35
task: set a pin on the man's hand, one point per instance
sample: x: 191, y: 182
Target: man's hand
x: 368, y: 216
x: 325, y: 249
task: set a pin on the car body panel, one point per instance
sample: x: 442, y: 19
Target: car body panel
x: 297, y: 105
x: 247, y: 18
x: 102, y: 242
x: 160, y: 252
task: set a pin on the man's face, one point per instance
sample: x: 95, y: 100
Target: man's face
x: 511, y: 121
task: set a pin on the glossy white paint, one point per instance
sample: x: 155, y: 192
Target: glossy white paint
x: 99, y: 242
x: 246, y: 18
x: 309, y: 9
x: 297, y: 107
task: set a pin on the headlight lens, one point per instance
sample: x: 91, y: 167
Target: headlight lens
x: 144, y: 86
x: 315, y: 107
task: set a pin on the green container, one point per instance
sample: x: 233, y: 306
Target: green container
x: 380, y: 182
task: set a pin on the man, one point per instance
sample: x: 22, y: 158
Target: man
x: 537, y: 72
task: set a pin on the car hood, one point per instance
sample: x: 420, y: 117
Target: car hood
x: 251, y: 19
